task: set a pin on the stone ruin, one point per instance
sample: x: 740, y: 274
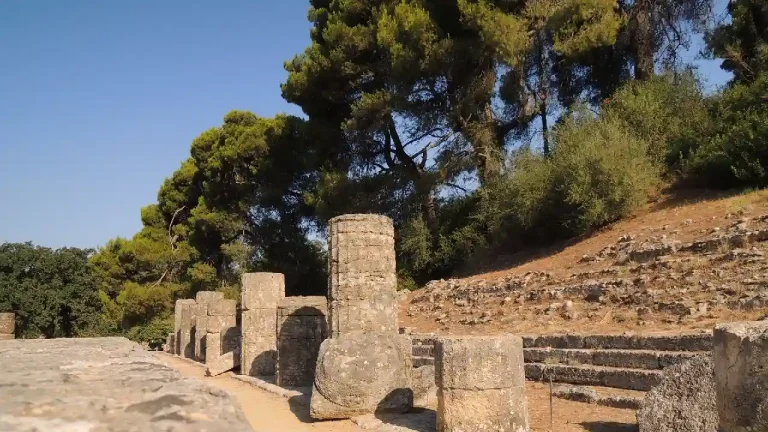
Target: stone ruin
x: 7, y: 325
x: 347, y: 347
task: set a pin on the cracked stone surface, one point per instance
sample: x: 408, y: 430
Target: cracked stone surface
x: 104, y: 385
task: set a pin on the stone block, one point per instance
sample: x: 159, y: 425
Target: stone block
x: 741, y: 376
x: 7, y: 323
x: 4, y: 336
x: 208, y: 296
x: 362, y: 285
x: 170, y: 343
x: 178, y: 312
x: 218, y: 323
x: 424, y: 387
x: 258, y: 356
x: 302, y: 327
x: 213, y: 346
x: 224, y: 363
x: 222, y: 307
x: 186, y: 344
x: 201, y: 328
x: 303, y: 305
x: 259, y: 324
x: 361, y: 373
x: 684, y: 401
x: 262, y: 290
x: 187, y: 320
x: 362, y: 315
x: 296, y: 360
x: 230, y: 339
x: 481, y: 384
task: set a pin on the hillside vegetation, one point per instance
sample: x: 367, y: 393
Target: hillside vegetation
x: 479, y: 127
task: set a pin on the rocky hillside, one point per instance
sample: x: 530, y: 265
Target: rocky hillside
x: 677, y: 266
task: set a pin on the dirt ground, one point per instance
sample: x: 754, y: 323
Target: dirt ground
x: 271, y: 413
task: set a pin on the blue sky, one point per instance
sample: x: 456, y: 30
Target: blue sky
x: 99, y: 101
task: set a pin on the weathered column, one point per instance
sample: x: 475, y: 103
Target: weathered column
x: 183, y: 325
x: 222, y: 341
x: 480, y: 384
x: 301, y: 328
x: 7, y: 325
x: 741, y: 376
x: 362, y: 278
x: 261, y: 292
x: 170, y: 343
x: 201, y: 321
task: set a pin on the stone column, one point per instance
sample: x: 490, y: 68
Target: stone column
x: 170, y: 343
x: 7, y: 325
x: 301, y: 328
x: 362, y: 275
x: 222, y: 340
x: 261, y: 292
x: 201, y: 321
x: 741, y: 376
x: 480, y: 384
x: 183, y: 325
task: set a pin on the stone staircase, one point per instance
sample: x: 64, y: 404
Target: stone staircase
x: 627, y: 362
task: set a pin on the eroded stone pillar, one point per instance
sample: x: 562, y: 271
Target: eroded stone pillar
x: 480, y: 384
x: 741, y: 376
x: 222, y: 340
x: 261, y: 293
x: 183, y: 326
x: 7, y: 325
x: 201, y: 321
x: 362, y: 275
x: 301, y: 328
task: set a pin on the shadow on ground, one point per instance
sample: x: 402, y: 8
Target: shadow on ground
x: 609, y: 427
x: 417, y: 419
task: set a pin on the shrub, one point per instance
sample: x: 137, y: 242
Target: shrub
x: 737, y: 152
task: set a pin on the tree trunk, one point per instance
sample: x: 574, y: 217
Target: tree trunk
x: 643, y: 41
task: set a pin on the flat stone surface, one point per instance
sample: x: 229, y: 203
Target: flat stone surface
x: 105, y: 385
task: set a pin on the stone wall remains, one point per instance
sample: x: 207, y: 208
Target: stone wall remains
x: 7, y: 325
x: 301, y: 328
x: 261, y: 293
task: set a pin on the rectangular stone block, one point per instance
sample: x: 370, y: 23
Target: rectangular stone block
x: 208, y: 296
x: 170, y: 342
x: 258, y: 356
x: 222, y: 307
x: 303, y: 305
x: 201, y: 328
x: 262, y: 290
x: 186, y: 345
x: 362, y: 315
x: 462, y: 410
x: 741, y: 376
x: 230, y: 340
x: 259, y: 324
x: 178, y: 312
x: 7, y: 323
x: 296, y: 360
x: 217, y: 323
x: 479, y: 362
x: 212, y: 346
x: 224, y: 363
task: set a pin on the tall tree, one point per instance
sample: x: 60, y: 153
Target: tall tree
x: 743, y: 42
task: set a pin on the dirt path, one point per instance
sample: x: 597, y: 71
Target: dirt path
x: 265, y: 412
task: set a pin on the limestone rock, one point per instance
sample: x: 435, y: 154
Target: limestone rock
x: 359, y: 373
x: 684, y: 401
x: 7, y: 323
x: 105, y: 384
x: 424, y: 387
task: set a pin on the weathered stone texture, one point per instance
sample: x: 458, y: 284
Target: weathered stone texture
x: 684, y: 401
x: 7, y: 323
x: 301, y: 329
x: 182, y: 325
x: 741, y: 376
x: 359, y: 373
x: 480, y: 384
x: 203, y: 298
x: 105, y: 384
x: 261, y: 293
x: 222, y: 307
x: 362, y: 279
x: 208, y: 296
x: 170, y: 343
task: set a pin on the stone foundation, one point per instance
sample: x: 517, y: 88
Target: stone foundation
x: 481, y: 384
x: 261, y: 293
x: 301, y: 328
x: 741, y: 376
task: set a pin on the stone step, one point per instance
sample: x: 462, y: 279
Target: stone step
x: 632, y: 359
x: 680, y: 342
x: 419, y: 361
x: 600, y: 396
x: 603, y: 376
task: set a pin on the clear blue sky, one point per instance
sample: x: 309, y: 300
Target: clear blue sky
x: 100, y: 100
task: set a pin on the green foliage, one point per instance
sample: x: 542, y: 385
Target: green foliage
x: 737, y: 152
x: 743, y: 41
x: 52, y: 291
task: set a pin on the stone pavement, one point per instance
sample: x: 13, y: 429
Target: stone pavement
x: 105, y: 385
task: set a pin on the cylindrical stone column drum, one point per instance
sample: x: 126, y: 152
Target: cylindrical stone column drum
x: 741, y: 376
x: 7, y: 325
x: 480, y: 384
x: 362, y: 274
x: 260, y: 295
